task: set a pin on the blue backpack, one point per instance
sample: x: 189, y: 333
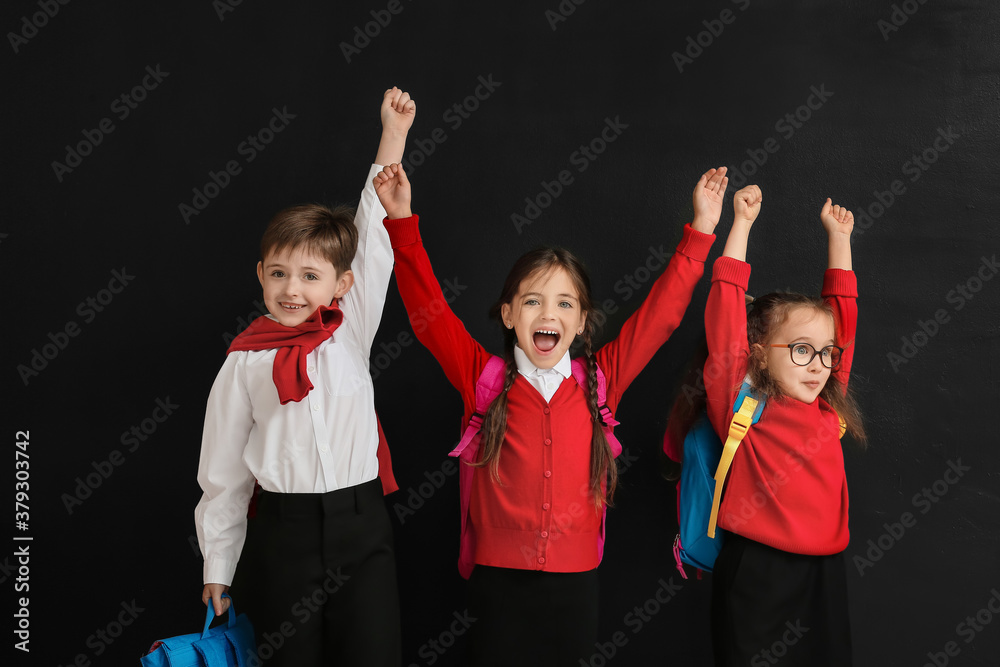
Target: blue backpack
x: 703, y: 475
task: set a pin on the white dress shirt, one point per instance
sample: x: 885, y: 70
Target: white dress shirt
x: 545, y: 380
x: 326, y: 441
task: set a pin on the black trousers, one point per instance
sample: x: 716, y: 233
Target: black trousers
x: 526, y: 618
x: 774, y: 607
x: 317, y: 578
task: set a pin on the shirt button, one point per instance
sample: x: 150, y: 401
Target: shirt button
x: 546, y: 507
x: 541, y: 560
x: 548, y: 473
x: 545, y: 533
x: 316, y: 408
x: 546, y: 410
x: 323, y: 449
x: 311, y: 369
x: 548, y: 441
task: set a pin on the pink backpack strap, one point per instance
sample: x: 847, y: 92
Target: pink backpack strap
x: 608, y: 420
x: 488, y: 387
x: 608, y: 423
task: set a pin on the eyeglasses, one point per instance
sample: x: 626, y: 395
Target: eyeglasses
x: 803, y: 353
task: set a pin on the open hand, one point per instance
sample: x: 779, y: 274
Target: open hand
x: 707, y: 199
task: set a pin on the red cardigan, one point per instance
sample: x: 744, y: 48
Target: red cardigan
x: 787, y: 487
x: 542, y: 515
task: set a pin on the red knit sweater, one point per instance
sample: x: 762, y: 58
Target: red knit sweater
x: 542, y: 515
x: 787, y: 487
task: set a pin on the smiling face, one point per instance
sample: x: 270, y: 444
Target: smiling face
x: 803, y: 325
x: 297, y: 281
x: 545, y: 315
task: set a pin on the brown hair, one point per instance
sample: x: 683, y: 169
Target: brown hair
x: 329, y: 232
x: 766, y: 315
x: 602, y: 462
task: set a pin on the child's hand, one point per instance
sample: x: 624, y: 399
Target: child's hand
x: 398, y: 111
x: 746, y: 204
x: 393, y: 190
x: 707, y: 199
x: 836, y: 219
x: 212, y: 594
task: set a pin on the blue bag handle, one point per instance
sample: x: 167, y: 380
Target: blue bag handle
x: 210, y: 615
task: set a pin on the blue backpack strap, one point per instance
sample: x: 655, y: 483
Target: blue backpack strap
x: 608, y: 421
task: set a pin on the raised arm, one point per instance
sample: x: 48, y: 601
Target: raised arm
x: 725, y: 312
x: 434, y: 323
x: 838, y: 223
x: 746, y: 204
x: 372, y: 265
x: 662, y: 311
x: 840, y: 285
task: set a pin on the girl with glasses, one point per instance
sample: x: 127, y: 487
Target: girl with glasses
x: 779, y: 583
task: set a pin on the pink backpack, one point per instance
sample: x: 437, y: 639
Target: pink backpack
x: 488, y: 387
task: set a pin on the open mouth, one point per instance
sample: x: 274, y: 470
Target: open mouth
x: 545, y: 339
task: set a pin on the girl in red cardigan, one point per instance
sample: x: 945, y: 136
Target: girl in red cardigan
x: 545, y: 470
x: 779, y: 584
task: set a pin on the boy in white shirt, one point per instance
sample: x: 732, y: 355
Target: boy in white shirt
x: 293, y: 408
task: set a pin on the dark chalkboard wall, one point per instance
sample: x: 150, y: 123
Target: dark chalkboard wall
x: 120, y: 301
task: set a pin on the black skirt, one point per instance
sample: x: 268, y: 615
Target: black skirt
x: 526, y: 618
x: 774, y: 607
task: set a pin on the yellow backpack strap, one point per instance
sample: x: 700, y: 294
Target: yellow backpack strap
x: 738, y: 427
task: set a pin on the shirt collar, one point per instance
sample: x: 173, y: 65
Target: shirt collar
x: 524, y: 366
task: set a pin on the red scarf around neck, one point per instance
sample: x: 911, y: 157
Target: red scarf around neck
x: 293, y: 345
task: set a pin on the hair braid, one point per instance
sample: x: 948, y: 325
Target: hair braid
x: 495, y: 420
x: 602, y: 460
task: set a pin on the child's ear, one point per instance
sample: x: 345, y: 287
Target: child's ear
x: 505, y: 314
x: 344, y: 283
x: 260, y: 273
x: 758, y: 351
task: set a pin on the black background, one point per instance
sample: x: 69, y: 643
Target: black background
x: 163, y: 336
